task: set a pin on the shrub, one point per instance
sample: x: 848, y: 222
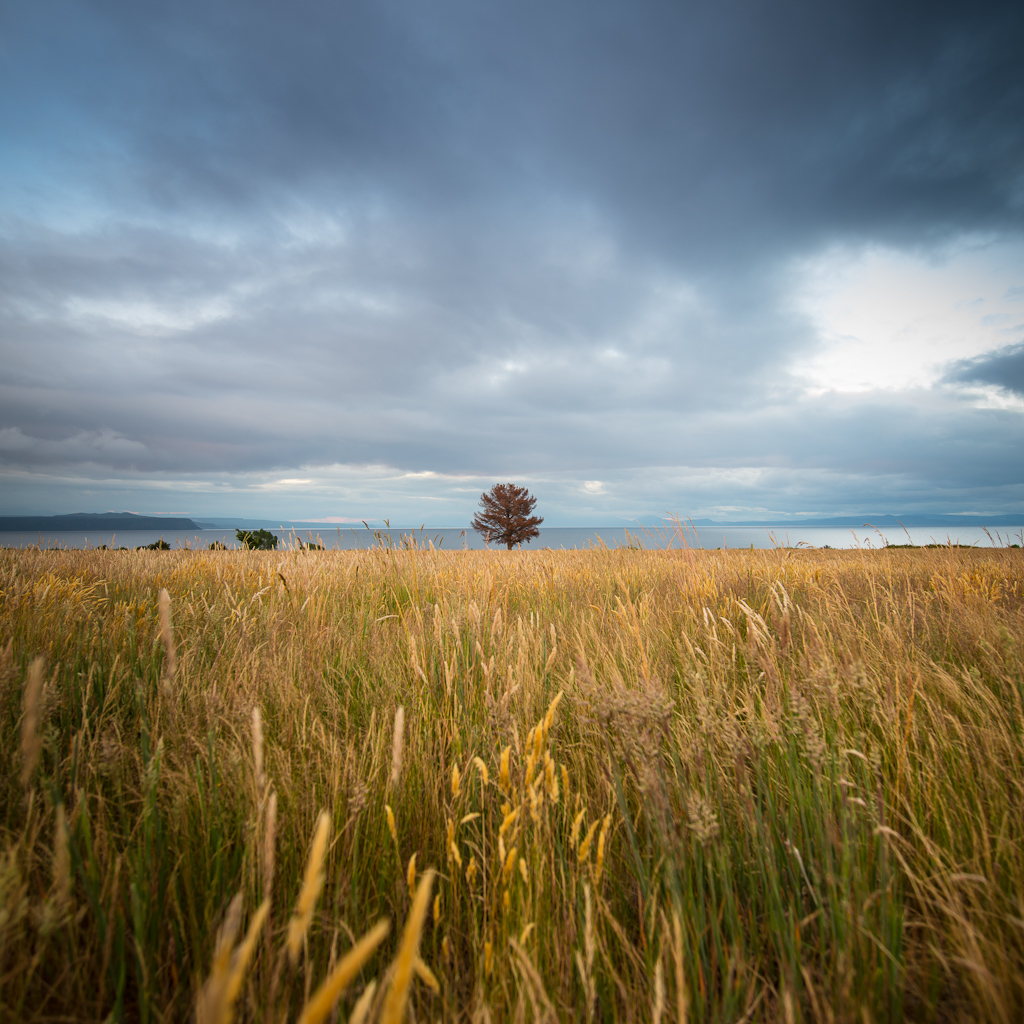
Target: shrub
x: 257, y: 540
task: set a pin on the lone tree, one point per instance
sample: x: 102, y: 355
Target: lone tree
x: 504, y: 515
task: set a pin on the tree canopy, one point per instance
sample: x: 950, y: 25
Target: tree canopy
x: 505, y: 515
x: 257, y: 540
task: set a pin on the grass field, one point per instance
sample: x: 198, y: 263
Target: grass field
x: 654, y: 785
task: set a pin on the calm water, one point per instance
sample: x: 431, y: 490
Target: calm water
x: 703, y: 537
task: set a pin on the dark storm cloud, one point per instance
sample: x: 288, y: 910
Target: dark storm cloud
x: 728, y: 125
x: 1004, y: 368
x: 475, y: 237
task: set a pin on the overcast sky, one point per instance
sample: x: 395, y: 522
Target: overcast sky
x: 349, y: 259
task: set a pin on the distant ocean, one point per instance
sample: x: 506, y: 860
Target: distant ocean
x: 715, y: 536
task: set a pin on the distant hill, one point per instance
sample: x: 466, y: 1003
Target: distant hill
x: 300, y: 525
x: 968, y: 519
x: 913, y: 519
x: 93, y: 522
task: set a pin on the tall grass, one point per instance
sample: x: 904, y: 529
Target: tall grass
x: 654, y: 785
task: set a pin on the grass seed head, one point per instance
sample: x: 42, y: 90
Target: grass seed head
x: 257, y: 749
x: 549, y: 716
x: 61, y: 860
x: 584, y: 851
x: 550, y: 778
x: 408, y: 952
x: 213, y: 1005
x: 164, y: 603
x: 600, y: 846
x: 576, y: 823
x: 397, y: 743
x: 269, y: 840
x: 361, y: 1010
x: 322, y: 1003
x: 427, y: 976
x: 31, y: 740
x: 509, y: 866
x: 504, y: 775
x: 312, y: 883
x: 240, y: 959
x: 509, y: 820
x: 536, y: 799
x: 453, y: 848
x: 658, y: 1002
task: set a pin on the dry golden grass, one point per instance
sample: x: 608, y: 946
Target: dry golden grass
x: 774, y: 785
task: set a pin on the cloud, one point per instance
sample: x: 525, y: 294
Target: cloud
x: 95, y: 447
x: 666, y: 248
x: 1004, y: 368
x: 892, y: 319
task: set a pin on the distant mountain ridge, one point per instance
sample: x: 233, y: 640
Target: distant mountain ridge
x: 90, y: 522
x: 856, y: 522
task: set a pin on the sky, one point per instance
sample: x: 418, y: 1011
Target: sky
x: 362, y: 259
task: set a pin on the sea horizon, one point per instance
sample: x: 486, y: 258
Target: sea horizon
x: 698, y: 536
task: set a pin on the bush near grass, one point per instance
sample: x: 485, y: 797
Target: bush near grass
x: 257, y: 540
x: 771, y: 785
